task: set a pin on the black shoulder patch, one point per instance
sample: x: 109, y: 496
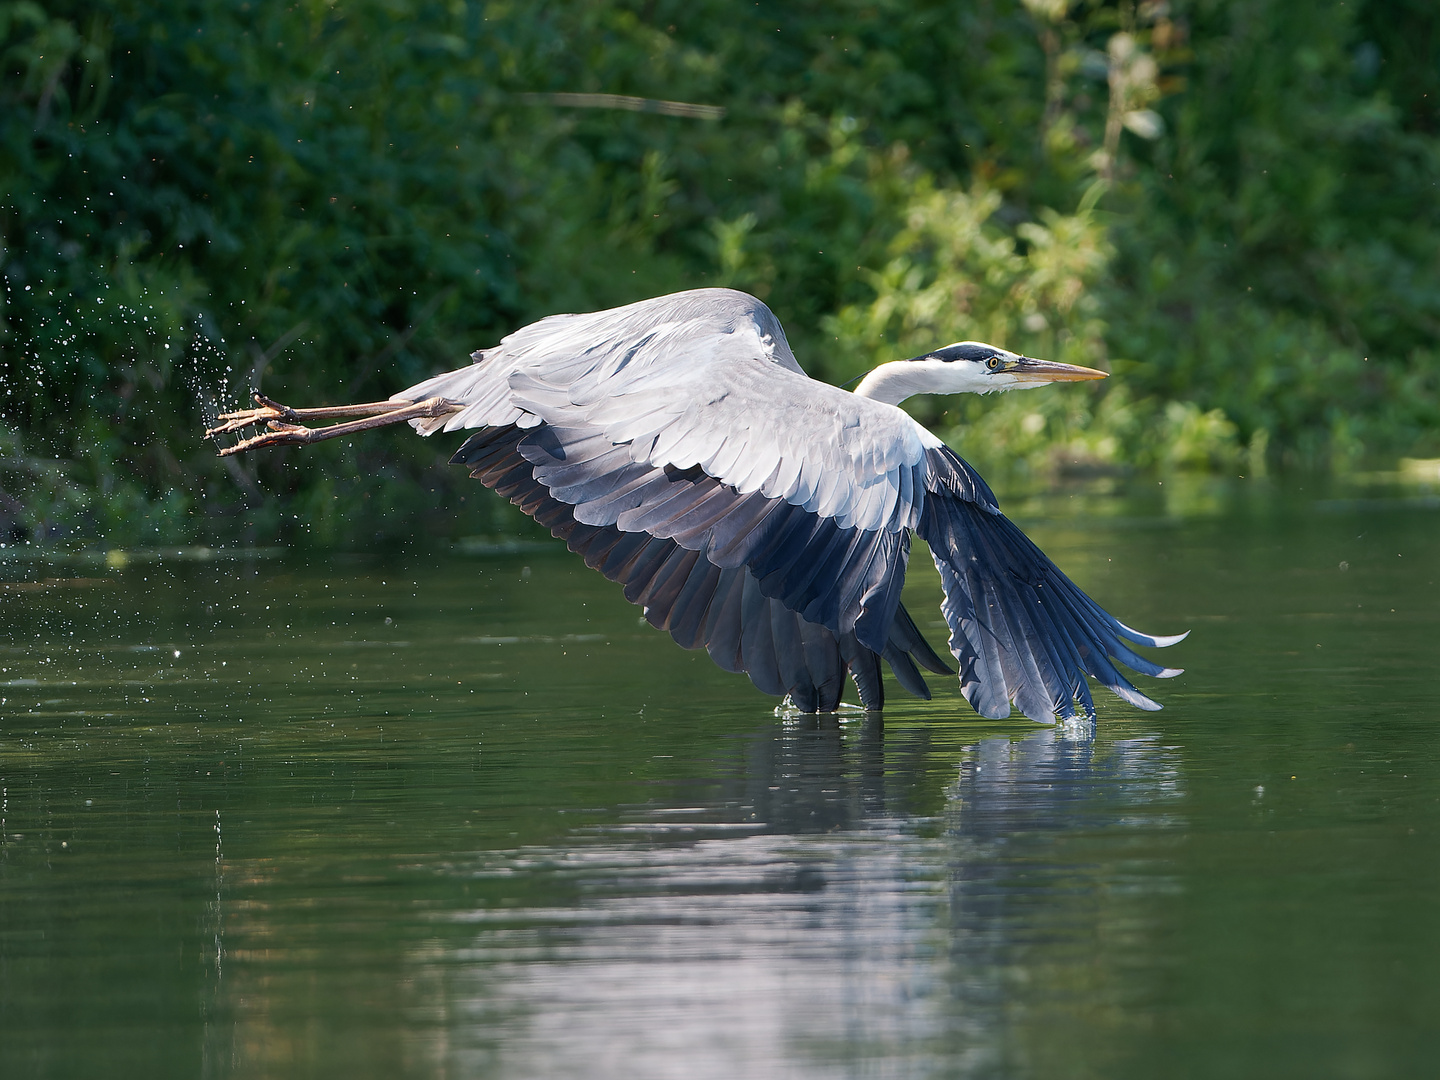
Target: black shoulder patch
x: 947, y: 473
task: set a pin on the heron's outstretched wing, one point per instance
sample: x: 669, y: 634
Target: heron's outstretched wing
x: 722, y: 608
x: 686, y: 418
x: 1022, y: 631
x: 703, y: 379
x: 600, y: 347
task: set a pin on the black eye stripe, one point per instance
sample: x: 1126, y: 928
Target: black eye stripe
x: 975, y: 352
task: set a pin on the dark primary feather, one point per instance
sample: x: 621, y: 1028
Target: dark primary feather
x: 726, y: 609
x: 848, y: 579
x: 763, y: 585
x: 1022, y: 631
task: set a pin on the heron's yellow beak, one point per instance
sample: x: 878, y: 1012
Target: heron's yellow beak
x: 1029, y: 370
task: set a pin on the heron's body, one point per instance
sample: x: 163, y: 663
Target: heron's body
x: 678, y: 446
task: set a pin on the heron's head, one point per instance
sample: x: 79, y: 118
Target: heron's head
x: 977, y: 368
x: 967, y: 367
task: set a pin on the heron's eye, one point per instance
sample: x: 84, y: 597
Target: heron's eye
x: 993, y: 363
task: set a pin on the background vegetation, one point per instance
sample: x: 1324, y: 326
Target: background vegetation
x: 1231, y: 203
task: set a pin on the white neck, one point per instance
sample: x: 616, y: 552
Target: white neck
x: 892, y: 383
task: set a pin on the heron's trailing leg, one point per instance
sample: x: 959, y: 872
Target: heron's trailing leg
x: 285, y: 428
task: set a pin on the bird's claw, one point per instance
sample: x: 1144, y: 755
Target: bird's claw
x: 280, y: 434
x: 268, y: 411
x: 280, y: 419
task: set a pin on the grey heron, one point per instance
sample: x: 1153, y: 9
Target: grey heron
x: 678, y: 447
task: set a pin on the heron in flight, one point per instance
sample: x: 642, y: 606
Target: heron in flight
x: 679, y: 448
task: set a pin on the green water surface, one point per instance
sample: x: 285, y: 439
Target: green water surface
x: 464, y: 816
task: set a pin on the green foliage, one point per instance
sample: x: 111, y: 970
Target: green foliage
x: 1285, y: 248
x: 1228, y: 203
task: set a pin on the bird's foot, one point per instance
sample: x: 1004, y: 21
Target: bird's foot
x: 266, y: 411
x: 788, y: 710
x: 1076, y: 728
x: 280, y: 434
x: 285, y: 428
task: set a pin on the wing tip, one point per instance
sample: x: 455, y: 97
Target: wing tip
x: 1157, y: 641
x: 1000, y: 710
x: 1136, y: 698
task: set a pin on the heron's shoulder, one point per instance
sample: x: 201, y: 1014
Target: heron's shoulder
x: 948, y: 475
x: 698, y: 323
x: 720, y: 309
x: 706, y: 305
x: 728, y: 311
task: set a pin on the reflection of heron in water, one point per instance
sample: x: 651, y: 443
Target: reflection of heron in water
x: 1053, y: 781
x: 821, y: 774
x: 678, y: 446
x: 815, y: 774
x: 1057, y: 855
x: 927, y: 926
